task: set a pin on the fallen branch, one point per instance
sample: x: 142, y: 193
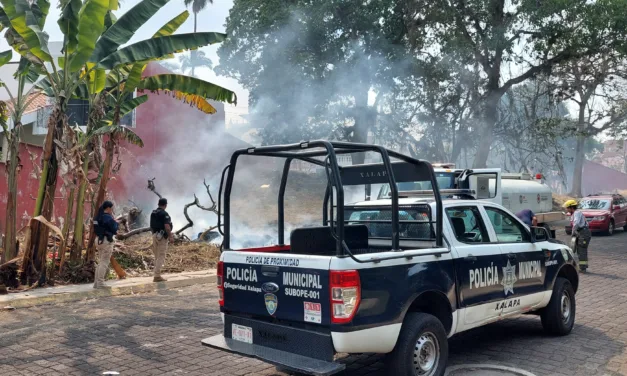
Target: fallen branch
x: 212, y: 208
x: 204, y: 233
x: 131, y: 233
x: 190, y: 223
x: 14, y: 261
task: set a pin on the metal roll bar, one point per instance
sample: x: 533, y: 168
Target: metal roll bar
x: 329, y: 150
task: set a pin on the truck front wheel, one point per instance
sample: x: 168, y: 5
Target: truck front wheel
x: 558, y: 318
x: 421, y: 349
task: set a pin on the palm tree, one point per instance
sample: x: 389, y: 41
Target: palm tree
x: 193, y: 60
x: 197, y: 7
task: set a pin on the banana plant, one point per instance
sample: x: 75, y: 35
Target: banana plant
x: 121, y: 82
x: 92, y: 45
x: 19, y: 102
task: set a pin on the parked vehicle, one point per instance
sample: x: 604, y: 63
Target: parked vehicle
x: 604, y: 213
x: 396, y: 276
x: 515, y: 191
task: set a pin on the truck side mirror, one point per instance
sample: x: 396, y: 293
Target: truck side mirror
x: 540, y: 234
x: 616, y: 207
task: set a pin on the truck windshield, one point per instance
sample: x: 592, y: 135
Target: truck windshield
x: 595, y: 204
x: 446, y: 180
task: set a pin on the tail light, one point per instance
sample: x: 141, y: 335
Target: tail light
x: 345, y: 295
x: 220, y: 282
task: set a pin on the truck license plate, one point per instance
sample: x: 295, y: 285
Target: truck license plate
x: 242, y: 333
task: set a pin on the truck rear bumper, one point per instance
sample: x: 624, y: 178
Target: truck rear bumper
x: 291, y: 361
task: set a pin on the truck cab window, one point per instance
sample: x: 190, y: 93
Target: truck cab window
x: 381, y: 227
x: 467, y: 224
x: 507, y: 229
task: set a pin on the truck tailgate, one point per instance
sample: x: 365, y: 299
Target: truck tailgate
x: 286, y: 287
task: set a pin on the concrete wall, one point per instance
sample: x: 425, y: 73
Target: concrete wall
x: 598, y: 178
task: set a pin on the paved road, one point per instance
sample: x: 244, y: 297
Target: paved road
x: 160, y: 333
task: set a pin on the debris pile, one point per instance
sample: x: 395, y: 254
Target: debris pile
x: 136, y: 257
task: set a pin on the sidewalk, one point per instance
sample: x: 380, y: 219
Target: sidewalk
x: 59, y: 294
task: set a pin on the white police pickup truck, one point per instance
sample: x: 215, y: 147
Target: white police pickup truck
x: 395, y: 276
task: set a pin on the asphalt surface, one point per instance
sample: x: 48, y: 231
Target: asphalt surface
x: 159, y: 334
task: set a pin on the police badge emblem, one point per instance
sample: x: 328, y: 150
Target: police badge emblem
x: 271, y: 303
x: 509, y: 278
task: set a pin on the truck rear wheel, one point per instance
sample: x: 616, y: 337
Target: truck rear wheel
x: 558, y: 318
x: 421, y: 349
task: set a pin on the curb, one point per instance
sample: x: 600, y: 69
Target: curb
x: 62, y: 297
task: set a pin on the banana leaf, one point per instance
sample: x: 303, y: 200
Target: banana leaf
x: 172, y: 26
x: 188, y: 85
x: 28, y: 69
x: 120, y: 132
x: 157, y: 47
x: 91, y: 24
x: 5, y: 57
x: 40, y: 9
x: 125, y: 27
x: 125, y: 107
x: 5, y: 23
x: 45, y: 86
x: 110, y: 19
x: 97, y: 80
x: 25, y: 24
x: 169, y: 28
x: 68, y: 23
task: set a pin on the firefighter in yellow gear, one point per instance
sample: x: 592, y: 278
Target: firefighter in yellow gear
x: 581, y: 233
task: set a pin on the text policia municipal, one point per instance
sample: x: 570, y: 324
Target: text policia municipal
x: 489, y: 276
x: 295, y: 283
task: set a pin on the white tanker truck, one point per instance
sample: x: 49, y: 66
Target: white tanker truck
x: 515, y: 191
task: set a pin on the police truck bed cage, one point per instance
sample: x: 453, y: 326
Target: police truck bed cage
x: 411, y: 170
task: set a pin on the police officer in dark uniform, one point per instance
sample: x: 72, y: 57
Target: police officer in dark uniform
x: 161, y: 227
x: 105, y: 227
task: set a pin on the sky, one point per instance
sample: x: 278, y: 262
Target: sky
x: 213, y: 18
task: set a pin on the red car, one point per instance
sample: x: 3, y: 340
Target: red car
x: 604, y: 213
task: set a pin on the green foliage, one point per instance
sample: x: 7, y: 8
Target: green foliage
x: 309, y: 65
x: 91, y: 24
x: 125, y: 27
x: 157, y: 47
x: 187, y: 85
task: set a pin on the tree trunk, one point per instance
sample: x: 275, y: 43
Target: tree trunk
x: 364, y: 119
x: 102, y: 188
x: 192, y: 55
x: 38, y: 244
x: 79, y: 221
x: 490, y: 117
x: 576, y: 190
x: 10, y: 250
x: 68, y: 215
